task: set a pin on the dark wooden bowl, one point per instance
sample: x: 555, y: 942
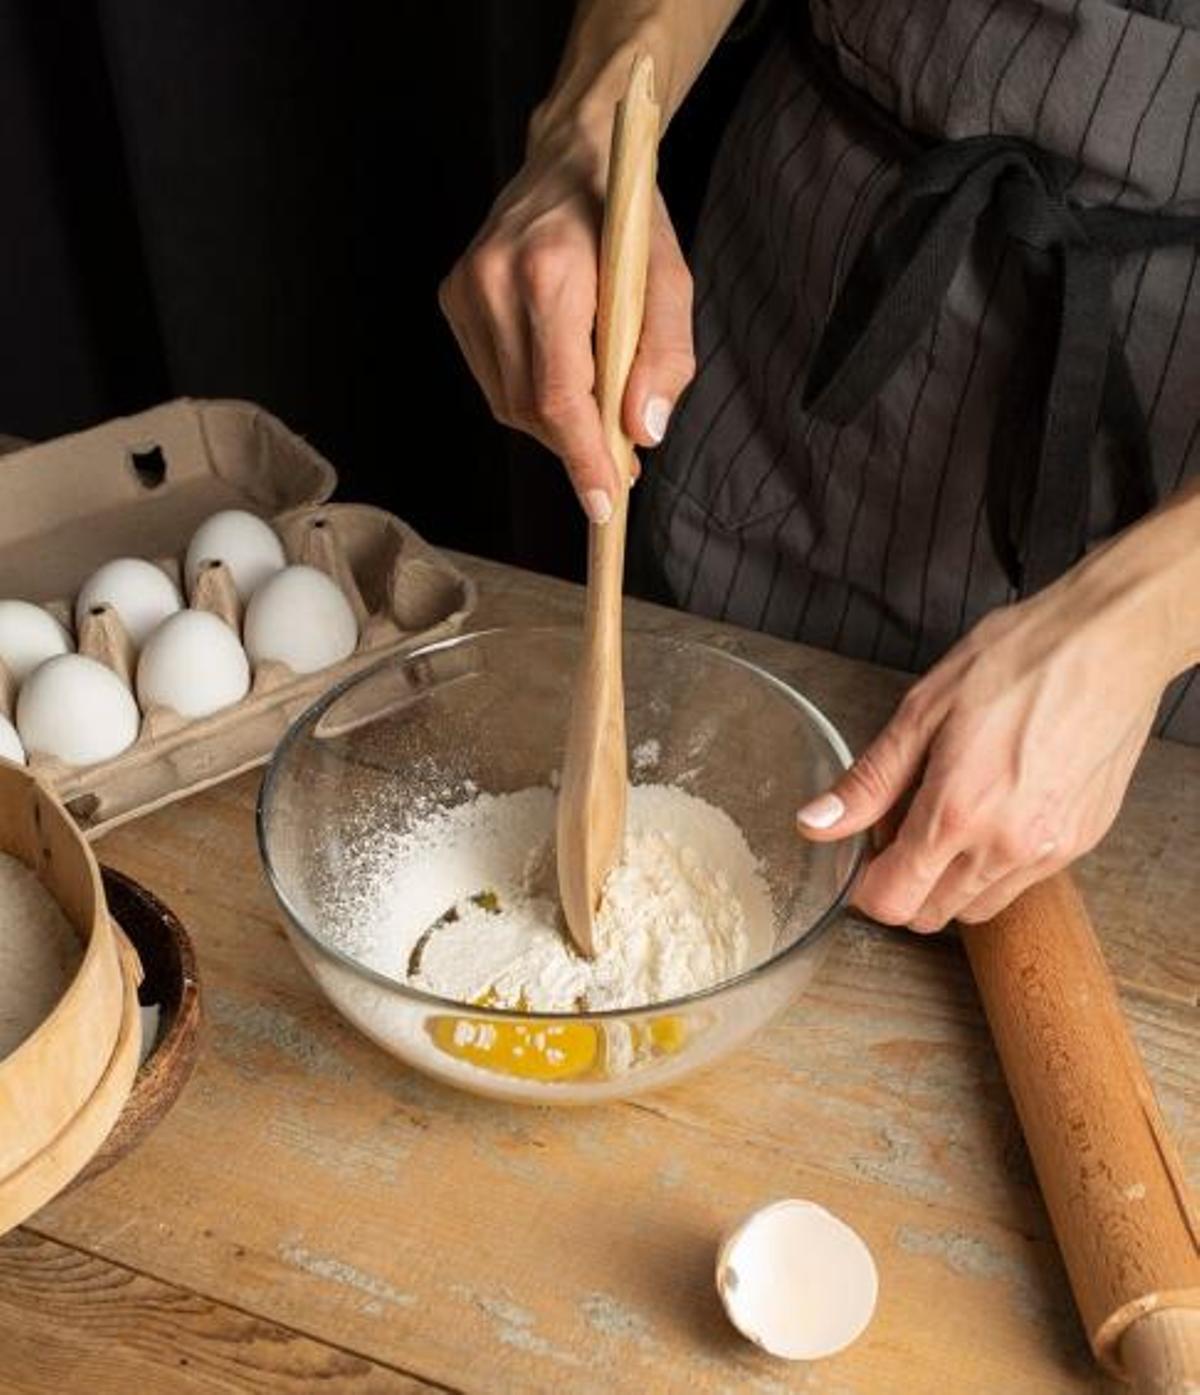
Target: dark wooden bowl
x: 170, y: 980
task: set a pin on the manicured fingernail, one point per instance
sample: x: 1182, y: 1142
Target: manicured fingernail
x: 597, y: 505
x: 655, y: 418
x: 822, y: 812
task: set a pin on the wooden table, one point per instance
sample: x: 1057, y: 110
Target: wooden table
x: 314, y: 1217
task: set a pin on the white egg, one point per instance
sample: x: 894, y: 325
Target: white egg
x: 797, y: 1281
x: 192, y: 664
x: 300, y: 618
x: 142, y: 594
x: 10, y: 742
x: 74, y: 708
x: 249, y: 547
x: 29, y: 636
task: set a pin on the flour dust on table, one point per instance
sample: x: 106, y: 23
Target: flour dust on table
x: 465, y: 905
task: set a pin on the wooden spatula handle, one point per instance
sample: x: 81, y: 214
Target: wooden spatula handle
x: 591, y: 805
x: 1112, y: 1180
x: 621, y: 296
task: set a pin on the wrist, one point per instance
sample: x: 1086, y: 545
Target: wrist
x: 575, y: 119
x: 577, y: 137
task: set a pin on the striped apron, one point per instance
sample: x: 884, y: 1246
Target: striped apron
x: 857, y: 464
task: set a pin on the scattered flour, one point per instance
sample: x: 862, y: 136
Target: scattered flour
x: 39, y: 953
x: 686, y: 908
x: 645, y: 755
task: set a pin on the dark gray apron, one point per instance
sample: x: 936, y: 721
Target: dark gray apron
x: 870, y: 463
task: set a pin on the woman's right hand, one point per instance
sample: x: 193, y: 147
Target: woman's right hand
x: 522, y: 304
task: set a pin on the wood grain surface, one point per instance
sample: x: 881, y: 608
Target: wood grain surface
x: 75, y: 1322
x: 311, y: 1189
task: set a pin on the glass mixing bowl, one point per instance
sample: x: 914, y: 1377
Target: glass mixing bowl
x: 488, y: 712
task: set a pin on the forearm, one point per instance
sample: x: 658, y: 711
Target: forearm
x: 1150, y: 576
x: 1171, y: 538
x: 678, y: 34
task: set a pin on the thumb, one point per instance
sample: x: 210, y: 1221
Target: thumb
x: 878, y: 779
x: 665, y: 362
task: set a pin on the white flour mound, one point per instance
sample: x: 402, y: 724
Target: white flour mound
x: 39, y: 953
x: 685, y: 909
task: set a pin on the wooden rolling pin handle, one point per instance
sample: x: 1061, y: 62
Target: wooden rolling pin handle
x: 1161, y: 1352
x: 1113, y: 1183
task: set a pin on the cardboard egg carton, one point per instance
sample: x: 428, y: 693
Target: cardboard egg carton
x: 139, y: 487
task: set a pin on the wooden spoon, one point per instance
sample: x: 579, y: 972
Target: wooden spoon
x: 591, y: 802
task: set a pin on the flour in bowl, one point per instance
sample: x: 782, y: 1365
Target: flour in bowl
x: 466, y: 906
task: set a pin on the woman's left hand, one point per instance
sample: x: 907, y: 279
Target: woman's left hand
x: 1015, y: 751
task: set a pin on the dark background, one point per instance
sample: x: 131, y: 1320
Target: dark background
x: 257, y: 198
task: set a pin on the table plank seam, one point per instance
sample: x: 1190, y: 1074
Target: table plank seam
x: 235, y: 1307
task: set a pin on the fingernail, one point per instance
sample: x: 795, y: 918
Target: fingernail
x: 597, y: 505
x: 822, y: 812
x: 655, y: 418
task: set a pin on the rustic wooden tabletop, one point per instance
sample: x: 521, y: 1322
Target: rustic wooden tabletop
x: 313, y: 1216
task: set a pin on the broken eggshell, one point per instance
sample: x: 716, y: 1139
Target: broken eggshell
x: 797, y: 1280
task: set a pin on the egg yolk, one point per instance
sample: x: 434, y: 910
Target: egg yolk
x: 526, y: 1050
x: 665, y: 1035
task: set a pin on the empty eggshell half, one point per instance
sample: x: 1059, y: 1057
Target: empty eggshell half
x: 29, y: 636
x: 250, y: 549
x: 142, y: 594
x: 192, y: 664
x: 299, y: 617
x: 75, y: 709
x: 797, y: 1281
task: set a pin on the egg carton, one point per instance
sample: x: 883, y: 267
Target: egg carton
x: 402, y: 591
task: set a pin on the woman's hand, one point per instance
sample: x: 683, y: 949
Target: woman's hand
x: 522, y: 303
x: 1017, y: 748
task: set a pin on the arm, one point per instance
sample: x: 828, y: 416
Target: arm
x: 1017, y: 749
x: 679, y: 35
x: 522, y: 299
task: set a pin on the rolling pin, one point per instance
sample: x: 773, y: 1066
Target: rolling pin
x: 1111, y: 1178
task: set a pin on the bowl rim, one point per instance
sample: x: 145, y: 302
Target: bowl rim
x: 312, y: 714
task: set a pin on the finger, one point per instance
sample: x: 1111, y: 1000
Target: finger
x: 897, y: 882
x: 876, y: 780
x: 561, y: 300
x: 970, y: 878
x: 884, y: 829
x: 492, y: 326
x: 665, y: 360
x: 965, y: 879
x: 473, y: 340
x: 507, y: 326
x: 1003, y: 892
x: 938, y: 829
